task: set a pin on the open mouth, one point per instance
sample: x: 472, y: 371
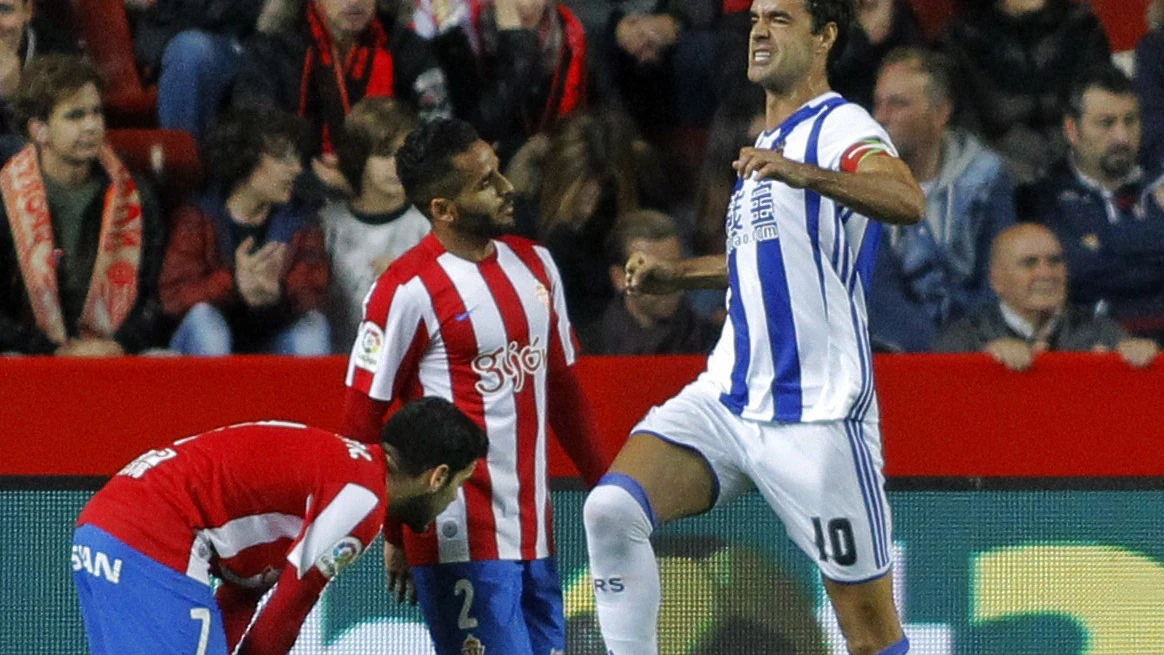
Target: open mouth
x: 761, y: 56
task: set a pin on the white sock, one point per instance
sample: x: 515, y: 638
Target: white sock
x: 623, y: 568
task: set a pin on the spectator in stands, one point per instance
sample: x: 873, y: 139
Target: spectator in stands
x: 515, y: 67
x: 881, y: 27
x: 246, y: 270
x: 1017, y: 58
x: 365, y: 233
x: 933, y: 272
x: 22, y: 37
x: 193, y: 48
x: 646, y: 324
x: 1029, y: 274
x: 319, y: 61
x: 1105, y: 210
x: 595, y: 169
x: 82, y: 241
x: 1150, y: 86
x: 665, y: 62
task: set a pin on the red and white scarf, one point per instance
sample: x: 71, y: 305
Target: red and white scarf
x: 113, y: 286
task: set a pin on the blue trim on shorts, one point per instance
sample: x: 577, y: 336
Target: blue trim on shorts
x: 632, y: 487
x: 867, y: 481
x: 857, y: 582
x: 680, y: 444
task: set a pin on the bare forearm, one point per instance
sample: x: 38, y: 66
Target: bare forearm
x: 881, y: 196
x: 708, y: 272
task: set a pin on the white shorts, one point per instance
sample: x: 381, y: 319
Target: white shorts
x: 824, y: 480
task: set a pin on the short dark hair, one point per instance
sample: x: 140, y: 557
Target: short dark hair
x: 647, y: 224
x: 240, y: 139
x: 431, y: 431
x: 372, y: 129
x: 840, y: 12
x: 424, y: 163
x: 931, y: 63
x: 1103, y: 76
x: 45, y: 82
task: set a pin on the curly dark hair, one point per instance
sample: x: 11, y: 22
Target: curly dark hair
x: 45, y: 82
x: 431, y: 431
x: 424, y: 163
x: 243, y: 136
x: 840, y: 12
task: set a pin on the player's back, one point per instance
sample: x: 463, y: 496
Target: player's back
x: 242, y: 493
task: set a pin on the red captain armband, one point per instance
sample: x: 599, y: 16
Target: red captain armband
x: 871, y: 147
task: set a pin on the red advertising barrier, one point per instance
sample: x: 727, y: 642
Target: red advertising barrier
x: 943, y: 415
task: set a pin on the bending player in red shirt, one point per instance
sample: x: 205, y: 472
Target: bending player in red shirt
x: 255, y: 505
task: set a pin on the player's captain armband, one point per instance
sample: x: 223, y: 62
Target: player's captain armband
x: 857, y: 153
x: 369, y: 345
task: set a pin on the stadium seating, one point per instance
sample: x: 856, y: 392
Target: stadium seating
x: 104, y: 27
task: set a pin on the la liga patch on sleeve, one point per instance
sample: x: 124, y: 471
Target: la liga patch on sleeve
x: 339, y: 556
x: 369, y: 345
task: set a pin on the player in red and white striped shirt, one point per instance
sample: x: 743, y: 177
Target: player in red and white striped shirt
x: 479, y: 319
x: 255, y: 505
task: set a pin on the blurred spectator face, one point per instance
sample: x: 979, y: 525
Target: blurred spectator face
x: 906, y: 109
x: 485, y: 201
x: 646, y: 37
x: 1020, y: 7
x: 656, y: 307
x: 75, y: 130
x: 347, y: 18
x: 1027, y: 270
x: 780, y: 44
x: 380, y: 173
x: 1106, y: 135
x: 14, y: 17
x: 274, y: 178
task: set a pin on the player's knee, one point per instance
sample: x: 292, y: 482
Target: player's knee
x: 611, y: 510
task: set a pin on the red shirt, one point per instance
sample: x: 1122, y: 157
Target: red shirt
x: 254, y: 504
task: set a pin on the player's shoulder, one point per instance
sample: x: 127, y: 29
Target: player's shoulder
x: 850, y: 118
x: 522, y: 245
x: 406, y: 268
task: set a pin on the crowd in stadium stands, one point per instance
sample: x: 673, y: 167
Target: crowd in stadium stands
x: 617, y: 122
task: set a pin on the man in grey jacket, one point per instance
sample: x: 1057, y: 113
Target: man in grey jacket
x: 934, y: 272
x: 1029, y: 274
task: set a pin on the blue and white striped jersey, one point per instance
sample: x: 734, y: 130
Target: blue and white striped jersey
x: 795, y: 347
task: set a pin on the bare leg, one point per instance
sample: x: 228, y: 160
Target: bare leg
x: 866, y: 613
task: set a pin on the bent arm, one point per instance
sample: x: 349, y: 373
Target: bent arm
x: 881, y: 188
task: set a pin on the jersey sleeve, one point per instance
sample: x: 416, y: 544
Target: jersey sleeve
x: 336, y: 531
x: 564, y: 347
x: 850, y: 134
x: 391, y: 339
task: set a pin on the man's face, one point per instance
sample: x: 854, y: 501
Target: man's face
x: 273, y: 179
x: 781, y: 46
x: 14, y: 16
x: 1027, y: 270
x: 1020, y: 7
x: 420, y: 511
x: 903, y: 106
x: 658, y: 307
x: 1106, y: 137
x: 75, y: 131
x: 347, y: 18
x: 485, y: 201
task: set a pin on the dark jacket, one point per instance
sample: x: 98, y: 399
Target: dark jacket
x: 1078, y: 331
x: 1015, y: 71
x: 161, y: 22
x: 1113, y: 243
x: 854, y: 73
x: 271, y: 71
x: 143, y: 326
x: 618, y: 333
x: 199, y: 266
x: 1150, y: 86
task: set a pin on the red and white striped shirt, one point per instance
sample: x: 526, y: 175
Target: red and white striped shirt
x: 254, y: 504
x: 486, y: 336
